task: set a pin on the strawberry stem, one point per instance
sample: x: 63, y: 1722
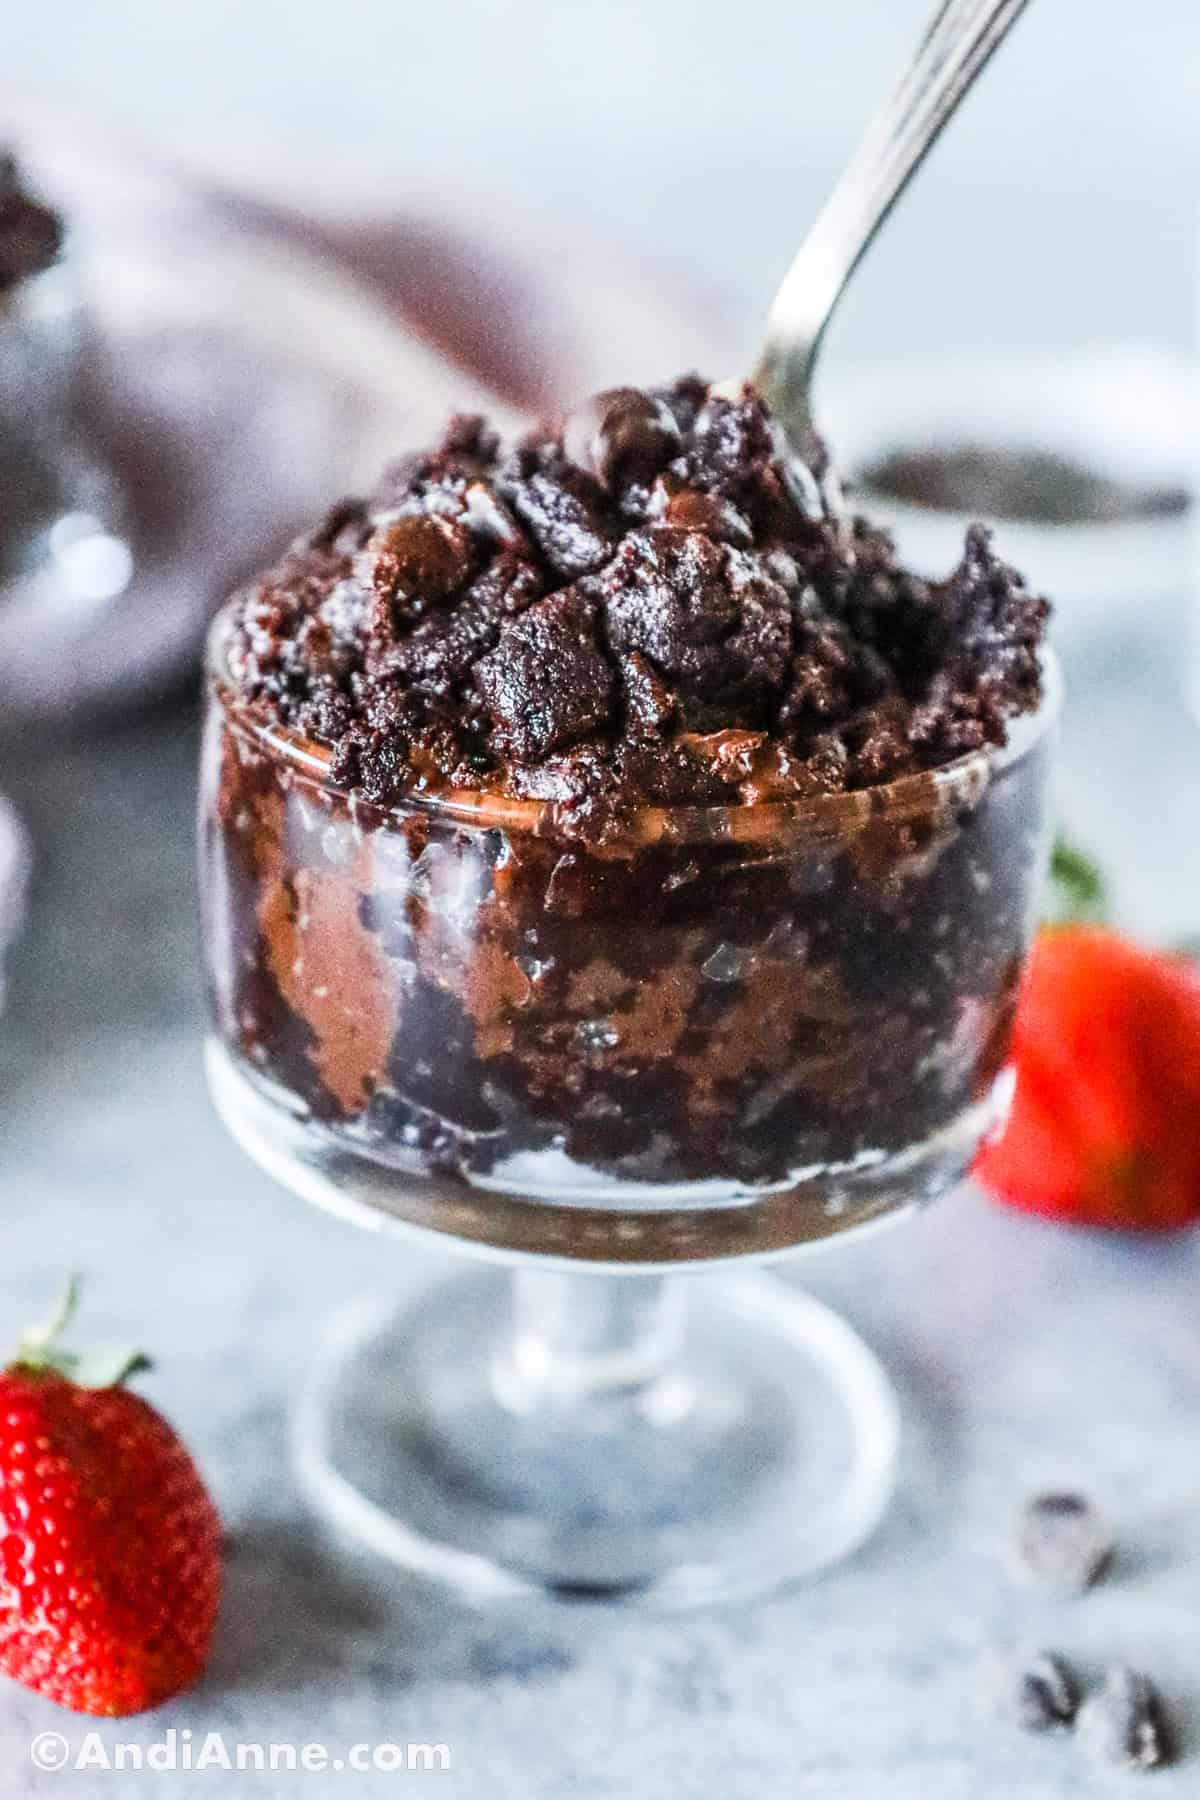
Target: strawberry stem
x: 41, y: 1338
x: 39, y: 1348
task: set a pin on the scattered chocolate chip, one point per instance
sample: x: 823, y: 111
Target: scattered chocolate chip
x: 1062, y: 1542
x: 1045, y: 1696
x: 1123, y: 1724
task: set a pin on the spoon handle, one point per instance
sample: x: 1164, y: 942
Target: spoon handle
x: 958, y: 42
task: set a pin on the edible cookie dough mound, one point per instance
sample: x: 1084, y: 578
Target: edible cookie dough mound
x: 653, y: 602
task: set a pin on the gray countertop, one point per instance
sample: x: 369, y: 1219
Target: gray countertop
x: 1025, y: 1355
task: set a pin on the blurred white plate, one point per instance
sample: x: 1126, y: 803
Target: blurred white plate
x: 1126, y: 414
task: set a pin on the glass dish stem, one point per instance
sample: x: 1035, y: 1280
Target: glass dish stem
x: 601, y: 1345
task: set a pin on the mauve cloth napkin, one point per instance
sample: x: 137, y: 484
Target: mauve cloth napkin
x: 247, y: 362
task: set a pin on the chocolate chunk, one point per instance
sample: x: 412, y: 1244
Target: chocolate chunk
x: 1123, y: 1725
x: 994, y: 627
x: 731, y: 439
x: 649, y: 704
x: 705, y: 615
x: 669, y: 596
x: 418, y: 562
x: 565, y: 519
x: 546, y: 684
x: 621, y: 436
x: 737, y: 451
x: 1045, y: 1693
x: 441, y: 651
x: 757, y: 652
x: 1062, y: 1542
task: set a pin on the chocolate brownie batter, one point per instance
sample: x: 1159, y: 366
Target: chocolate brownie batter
x: 613, y: 805
x: 30, y: 234
x: 652, y: 604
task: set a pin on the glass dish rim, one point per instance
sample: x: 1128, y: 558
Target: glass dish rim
x: 962, y: 781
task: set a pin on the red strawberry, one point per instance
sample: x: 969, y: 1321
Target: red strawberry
x: 110, y: 1558
x: 1105, y: 1125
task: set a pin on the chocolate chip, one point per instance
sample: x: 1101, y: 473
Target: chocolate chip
x: 1123, y: 1725
x: 622, y: 436
x: 1045, y: 1693
x: 1062, y: 1542
x: 417, y: 562
x: 546, y: 684
x: 565, y: 517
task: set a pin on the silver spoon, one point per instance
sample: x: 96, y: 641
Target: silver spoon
x: 956, y: 48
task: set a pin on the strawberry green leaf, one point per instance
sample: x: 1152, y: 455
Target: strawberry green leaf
x: 1077, y: 893
x: 108, y: 1367
x: 39, y: 1348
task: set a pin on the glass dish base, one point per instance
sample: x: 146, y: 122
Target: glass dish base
x: 664, y: 1443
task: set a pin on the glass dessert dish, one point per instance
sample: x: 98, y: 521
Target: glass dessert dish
x: 722, y: 1031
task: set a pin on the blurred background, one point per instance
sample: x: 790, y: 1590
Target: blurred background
x: 695, y: 136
